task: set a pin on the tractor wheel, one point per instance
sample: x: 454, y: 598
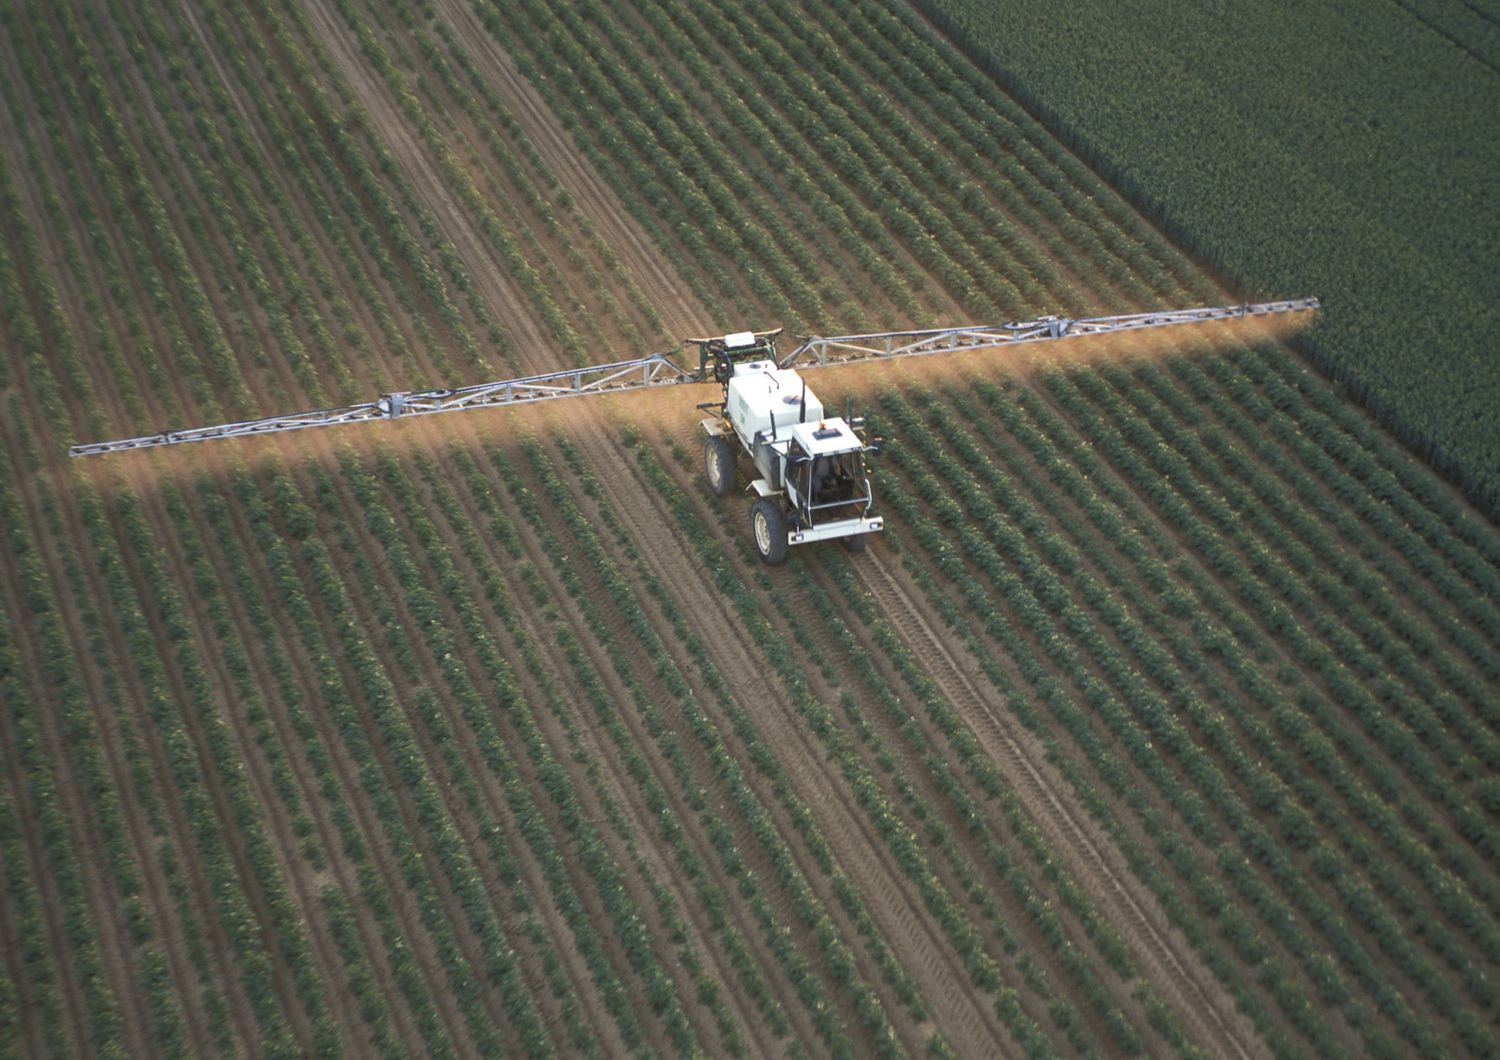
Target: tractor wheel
x: 718, y: 461
x: 856, y: 542
x: 768, y: 528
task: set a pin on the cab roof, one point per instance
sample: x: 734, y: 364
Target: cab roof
x: 826, y: 437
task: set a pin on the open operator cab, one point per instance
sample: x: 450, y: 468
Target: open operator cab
x: 812, y: 483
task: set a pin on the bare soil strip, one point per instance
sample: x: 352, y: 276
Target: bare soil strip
x: 679, y: 311
x: 965, y: 1020
x: 1167, y: 958
x: 505, y: 299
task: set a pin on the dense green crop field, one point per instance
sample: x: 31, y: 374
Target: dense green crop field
x: 1163, y: 718
x: 1345, y: 150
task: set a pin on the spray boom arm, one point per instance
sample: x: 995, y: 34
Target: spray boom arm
x: 660, y: 369
x: 818, y: 352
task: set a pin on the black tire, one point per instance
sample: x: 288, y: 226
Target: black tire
x: 768, y: 531
x: 856, y: 542
x: 718, y: 462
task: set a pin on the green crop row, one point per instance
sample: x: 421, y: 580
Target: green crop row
x: 1164, y: 477
x: 1448, y: 891
x: 1359, y: 907
x: 1185, y: 591
x: 334, y: 700
x: 905, y: 843
x: 1049, y: 690
x: 31, y: 805
x: 427, y: 614
x: 497, y: 599
x: 299, y: 719
x: 836, y: 955
x: 760, y: 752
x: 987, y: 778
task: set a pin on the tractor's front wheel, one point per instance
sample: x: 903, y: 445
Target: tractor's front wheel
x: 718, y: 461
x: 768, y: 528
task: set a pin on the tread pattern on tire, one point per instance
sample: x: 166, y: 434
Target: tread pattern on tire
x: 771, y: 545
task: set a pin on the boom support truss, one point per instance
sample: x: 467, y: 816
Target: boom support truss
x: 817, y: 352
x: 656, y: 370
x: 660, y: 370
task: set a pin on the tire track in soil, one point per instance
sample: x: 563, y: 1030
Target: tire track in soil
x: 507, y: 303
x: 748, y: 1018
x: 804, y: 612
x: 916, y: 769
x: 637, y: 528
x: 906, y: 926
x: 576, y: 173
x: 510, y: 306
x: 1172, y: 967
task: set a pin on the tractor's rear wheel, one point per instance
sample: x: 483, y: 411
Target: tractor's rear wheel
x: 768, y: 529
x: 856, y: 542
x: 718, y: 461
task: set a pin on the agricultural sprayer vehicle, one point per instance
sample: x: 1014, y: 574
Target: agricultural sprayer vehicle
x: 810, y: 481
